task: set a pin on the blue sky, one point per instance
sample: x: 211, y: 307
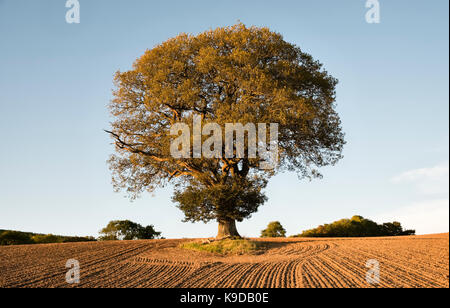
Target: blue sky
x: 56, y: 81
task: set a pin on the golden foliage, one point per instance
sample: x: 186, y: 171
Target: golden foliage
x: 234, y: 74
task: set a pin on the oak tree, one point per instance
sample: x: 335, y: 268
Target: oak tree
x: 234, y: 74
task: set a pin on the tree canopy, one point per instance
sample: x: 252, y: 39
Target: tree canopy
x: 234, y: 74
x: 274, y: 229
x: 127, y: 230
x: 357, y: 226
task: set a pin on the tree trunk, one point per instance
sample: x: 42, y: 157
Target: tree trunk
x: 227, y: 228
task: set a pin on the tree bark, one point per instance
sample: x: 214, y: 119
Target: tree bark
x: 227, y: 228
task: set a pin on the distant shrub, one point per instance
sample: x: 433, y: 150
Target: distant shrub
x: 75, y: 239
x: 46, y: 239
x: 108, y: 237
x: 8, y: 237
x: 274, y: 229
x: 357, y: 226
x: 50, y: 238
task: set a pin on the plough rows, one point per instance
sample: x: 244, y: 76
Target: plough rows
x: 419, y: 261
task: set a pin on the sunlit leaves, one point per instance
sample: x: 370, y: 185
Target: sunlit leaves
x: 234, y: 74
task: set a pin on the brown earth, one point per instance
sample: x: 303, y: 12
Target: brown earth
x: 415, y: 261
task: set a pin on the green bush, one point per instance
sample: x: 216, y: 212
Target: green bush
x: 357, y: 226
x: 46, y: 239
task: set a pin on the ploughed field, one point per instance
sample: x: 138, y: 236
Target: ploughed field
x: 415, y: 261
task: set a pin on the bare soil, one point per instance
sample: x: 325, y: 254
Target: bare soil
x: 414, y: 261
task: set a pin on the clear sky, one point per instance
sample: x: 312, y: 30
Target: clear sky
x: 56, y: 81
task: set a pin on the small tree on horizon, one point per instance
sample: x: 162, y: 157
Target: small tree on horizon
x: 127, y: 230
x: 234, y: 74
x: 274, y: 229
